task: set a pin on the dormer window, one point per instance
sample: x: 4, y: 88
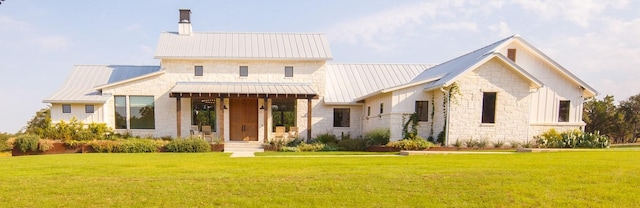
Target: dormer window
x: 198, y: 71
x: 288, y: 71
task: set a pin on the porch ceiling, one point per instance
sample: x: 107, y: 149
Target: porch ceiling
x: 243, y: 90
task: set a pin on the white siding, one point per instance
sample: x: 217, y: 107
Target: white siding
x: 77, y: 111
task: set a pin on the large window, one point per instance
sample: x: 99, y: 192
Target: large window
x: 244, y: 71
x: 563, y: 114
x: 198, y: 71
x: 288, y: 71
x: 121, y: 112
x: 66, y: 108
x: 422, y: 110
x: 283, y: 113
x: 341, y: 117
x: 203, y: 113
x: 489, y: 107
x: 141, y: 109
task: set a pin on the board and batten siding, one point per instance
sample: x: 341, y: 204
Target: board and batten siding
x: 78, y: 111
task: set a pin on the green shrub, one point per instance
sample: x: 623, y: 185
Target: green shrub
x: 288, y: 149
x: 276, y: 144
x: 314, y: 147
x: 441, y: 137
x: 105, y: 146
x: 75, y: 143
x: 378, y: 137
x: 498, y: 144
x: 411, y: 144
x: 515, y: 144
x: 326, y: 138
x: 352, y: 144
x: 138, y: 145
x: 27, y: 142
x: 572, y: 139
x: 4, y: 142
x: 45, y: 144
x: 188, y: 145
x: 295, y: 142
x: 470, y: 143
x: 457, y: 144
x: 482, y: 143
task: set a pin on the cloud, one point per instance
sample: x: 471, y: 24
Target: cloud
x: 502, y: 28
x: 460, y: 26
x: 579, y: 12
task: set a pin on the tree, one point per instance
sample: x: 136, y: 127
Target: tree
x: 40, y: 122
x: 630, y: 108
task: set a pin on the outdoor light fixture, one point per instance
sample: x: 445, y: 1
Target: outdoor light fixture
x: 262, y: 107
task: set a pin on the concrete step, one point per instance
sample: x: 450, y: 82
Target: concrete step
x: 243, y: 147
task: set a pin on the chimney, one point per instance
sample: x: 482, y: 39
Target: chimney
x: 184, y: 23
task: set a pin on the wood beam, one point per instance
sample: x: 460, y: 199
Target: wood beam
x: 265, y: 111
x: 309, y: 115
x: 221, y: 119
x: 179, y: 116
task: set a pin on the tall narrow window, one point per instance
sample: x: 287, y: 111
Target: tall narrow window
x: 368, y: 110
x: 563, y: 114
x: 489, y: 107
x: 244, y: 71
x: 88, y: 109
x: 288, y: 71
x: 198, y: 70
x: 283, y: 113
x: 511, y: 54
x: 142, y: 113
x: 66, y: 108
x: 341, y: 117
x: 381, y: 108
x: 422, y: 110
x: 121, y: 112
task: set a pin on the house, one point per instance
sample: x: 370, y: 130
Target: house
x: 242, y: 86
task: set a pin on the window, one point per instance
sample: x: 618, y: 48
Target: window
x: 368, y: 110
x: 198, y: 70
x: 563, y: 114
x: 489, y: 107
x: 203, y: 112
x: 381, y: 108
x: 121, y: 112
x: 66, y: 108
x: 141, y: 109
x: 283, y: 113
x: 88, y: 108
x: 341, y: 117
x: 422, y: 110
x: 288, y: 71
x: 244, y: 71
x: 511, y: 54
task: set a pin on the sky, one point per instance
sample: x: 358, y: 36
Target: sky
x: 40, y: 41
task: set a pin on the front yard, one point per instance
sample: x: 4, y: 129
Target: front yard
x: 561, y: 179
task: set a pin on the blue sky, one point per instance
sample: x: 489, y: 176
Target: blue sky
x: 40, y: 41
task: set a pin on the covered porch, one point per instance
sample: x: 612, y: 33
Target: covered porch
x: 243, y: 111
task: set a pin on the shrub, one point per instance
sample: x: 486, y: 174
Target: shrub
x: 326, y: 138
x: 441, y: 137
x: 352, y: 144
x: 378, y: 137
x: 105, y: 146
x: 4, y: 142
x: 411, y: 144
x: 139, y: 145
x: 45, y: 144
x: 470, y: 143
x: 572, y: 139
x: 27, y: 142
x: 457, y: 144
x: 276, y: 143
x: 482, y: 143
x: 75, y: 143
x: 188, y: 145
x: 288, y: 149
x: 498, y: 144
x: 515, y: 144
x: 314, y: 147
x: 295, y: 142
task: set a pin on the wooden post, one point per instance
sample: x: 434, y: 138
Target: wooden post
x: 265, y: 110
x: 309, y: 115
x: 179, y: 116
x: 221, y: 119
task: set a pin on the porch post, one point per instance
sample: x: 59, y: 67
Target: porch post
x: 178, y: 116
x: 221, y: 119
x: 309, y: 119
x: 266, y: 124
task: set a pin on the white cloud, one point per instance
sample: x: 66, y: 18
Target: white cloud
x: 580, y: 12
x: 460, y: 26
x: 502, y: 28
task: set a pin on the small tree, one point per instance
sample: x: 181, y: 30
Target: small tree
x: 40, y: 123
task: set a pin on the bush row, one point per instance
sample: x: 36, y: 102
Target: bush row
x: 572, y: 139
x: 30, y: 142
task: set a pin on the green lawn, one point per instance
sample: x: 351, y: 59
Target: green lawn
x: 559, y: 179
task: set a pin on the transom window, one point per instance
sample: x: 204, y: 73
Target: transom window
x: 244, y: 71
x: 198, y: 71
x: 66, y: 108
x: 489, y: 107
x: 422, y: 110
x: 288, y: 71
x: 341, y: 117
x: 563, y: 111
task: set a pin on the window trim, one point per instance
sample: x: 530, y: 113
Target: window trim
x: 568, y: 111
x: 246, y: 74
x: 198, y: 71
x: 67, y: 109
x: 286, y: 69
x: 424, y: 108
x: 86, y: 109
x: 341, y: 123
x: 486, y: 118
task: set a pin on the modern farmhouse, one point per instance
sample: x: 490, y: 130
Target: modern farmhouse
x: 254, y: 86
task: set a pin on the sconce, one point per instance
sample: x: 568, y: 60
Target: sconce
x: 225, y: 107
x: 262, y: 107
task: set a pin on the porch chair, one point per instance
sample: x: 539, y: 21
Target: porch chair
x: 195, y: 132
x: 293, y: 131
x: 279, y: 132
x: 206, y: 133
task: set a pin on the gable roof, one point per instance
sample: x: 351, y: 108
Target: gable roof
x: 79, y: 86
x: 347, y: 82
x: 268, y: 46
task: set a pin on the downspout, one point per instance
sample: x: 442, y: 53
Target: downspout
x: 447, y: 119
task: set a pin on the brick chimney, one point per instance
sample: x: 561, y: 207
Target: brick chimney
x: 184, y: 23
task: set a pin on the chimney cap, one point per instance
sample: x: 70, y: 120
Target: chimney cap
x: 185, y: 16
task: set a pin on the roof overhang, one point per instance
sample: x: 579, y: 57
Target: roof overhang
x: 244, y: 90
x: 399, y: 87
x: 76, y: 101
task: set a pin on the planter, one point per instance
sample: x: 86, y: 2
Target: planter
x: 381, y: 148
x: 217, y: 147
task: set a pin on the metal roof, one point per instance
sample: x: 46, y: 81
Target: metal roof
x: 218, y: 45
x: 79, y: 86
x: 242, y: 88
x: 346, y: 82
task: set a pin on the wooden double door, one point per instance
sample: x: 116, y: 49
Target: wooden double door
x: 243, y: 119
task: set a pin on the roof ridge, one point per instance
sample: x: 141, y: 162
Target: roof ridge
x: 492, y: 44
x: 381, y: 64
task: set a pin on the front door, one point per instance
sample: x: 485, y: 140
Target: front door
x: 243, y: 119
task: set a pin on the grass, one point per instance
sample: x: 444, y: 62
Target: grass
x: 559, y: 179
x: 322, y: 153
